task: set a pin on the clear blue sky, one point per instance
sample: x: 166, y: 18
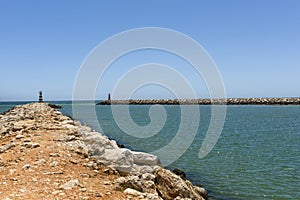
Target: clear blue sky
x: 255, y: 44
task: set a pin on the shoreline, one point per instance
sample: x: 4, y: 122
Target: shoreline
x: 228, y: 101
x: 32, y: 129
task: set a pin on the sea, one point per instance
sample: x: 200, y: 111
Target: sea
x: 257, y: 155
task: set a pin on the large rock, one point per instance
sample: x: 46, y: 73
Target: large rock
x: 171, y: 186
x: 132, y: 182
x: 96, y: 140
x: 119, y: 159
x: 144, y: 184
x: 142, y: 169
x: 141, y: 158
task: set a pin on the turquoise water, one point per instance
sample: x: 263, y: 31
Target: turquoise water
x: 256, y: 157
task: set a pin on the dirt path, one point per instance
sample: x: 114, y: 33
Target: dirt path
x: 38, y: 163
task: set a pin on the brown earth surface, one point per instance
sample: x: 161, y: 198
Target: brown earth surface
x: 38, y: 164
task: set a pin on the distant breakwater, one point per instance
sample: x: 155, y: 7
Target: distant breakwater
x: 228, y: 101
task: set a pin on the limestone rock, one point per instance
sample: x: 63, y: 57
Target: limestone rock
x: 19, y: 136
x: 171, y: 186
x: 142, y: 169
x: 7, y: 147
x: 137, y: 183
x: 132, y: 182
x: 141, y: 158
x: 119, y: 159
x: 148, y: 177
x: 70, y: 184
x: 132, y: 192
x: 201, y: 191
x: 31, y: 145
x: 97, y: 140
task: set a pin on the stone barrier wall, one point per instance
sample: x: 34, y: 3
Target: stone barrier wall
x: 228, y: 101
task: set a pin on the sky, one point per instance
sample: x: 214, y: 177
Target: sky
x: 254, y: 44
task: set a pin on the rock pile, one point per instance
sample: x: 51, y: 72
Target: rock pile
x: 229, y: 101
x: 162, y: 184
x: 62, y: 158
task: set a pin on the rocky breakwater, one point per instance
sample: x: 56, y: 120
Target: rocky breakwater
x: 228, y: 101
x: 46, y: 155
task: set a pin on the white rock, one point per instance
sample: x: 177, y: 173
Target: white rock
x: 70, y: 184
x: 7, y: 147
x: 68, y: 126
x: 132, y: 192
x: 70, y: 122
x: 107, y: 182
x: 122, y: 157
x: 148, y: 177
x: 143, y: 169
x: 27, y: 166
x: 140, y: 195
x: 35, y: 145
x: 141, y: 158
x: 98, y: 151
x: 55, y: 192
x: 31, y: 145
x: 132, y: 182
x: 97, y: 140
x: 121, y: 168
x: 19, y: 136
x: 84, y: 130
x: 22, y: 190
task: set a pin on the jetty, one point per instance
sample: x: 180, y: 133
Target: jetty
x: 227, y: 101
x: 47, y: 155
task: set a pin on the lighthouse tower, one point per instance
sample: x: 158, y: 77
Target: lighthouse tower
x: 40, y: 97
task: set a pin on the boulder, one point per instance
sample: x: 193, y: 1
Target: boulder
x: 137, y: 183
x: 118, y: 156
x: 133, y: 192
x: 97, y: 140
x: 142, y: 169
x: 132, y: 182
x: 141, y: 158
x: 84, y: 130
x: 171, y: 186
x: 148, y: 177
x: 201, y: 191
